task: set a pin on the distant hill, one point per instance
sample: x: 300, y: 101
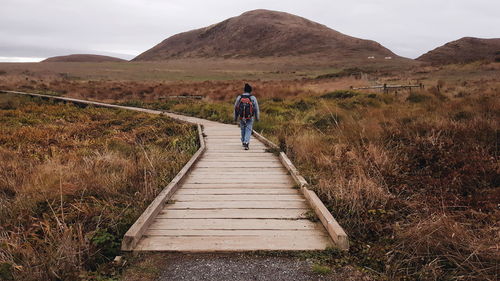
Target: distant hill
x: 83, y: 58
x: 467, y: 49
x: 264, y: 33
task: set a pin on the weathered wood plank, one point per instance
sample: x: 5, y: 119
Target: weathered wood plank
x: 257, y: 158
x: 236, y: 243
x: 296, y: 233
x: 241, y: 173
x: 249, y: 153
x: 236, y: 150
x: 234, y: 146
x: 239, y: 177
x: 332, y: 226
x: 238, y: 205
x: 242, y: 160
x: 238, y: 165
x: 239, y: 185
x: 239, y: 181
x: 233, y: 172
x: 232, y: 224
x: 257, y: 170
x: 234, y: 214
x: 237, y: 197
x: 186, y: 191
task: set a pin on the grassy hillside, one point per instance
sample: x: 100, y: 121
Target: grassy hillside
x: 74, y: 179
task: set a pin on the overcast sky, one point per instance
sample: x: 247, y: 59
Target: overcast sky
x: 34, y: 29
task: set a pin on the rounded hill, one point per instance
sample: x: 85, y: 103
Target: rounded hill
x: 264, y: 33
x: 83, y: 58
x: 464, y: 50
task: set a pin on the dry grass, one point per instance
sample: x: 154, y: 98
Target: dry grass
x: 73, y: 180
x: 413, y: 177
x: 415, y: 181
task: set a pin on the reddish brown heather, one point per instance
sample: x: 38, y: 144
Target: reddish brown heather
x: 73, y: 180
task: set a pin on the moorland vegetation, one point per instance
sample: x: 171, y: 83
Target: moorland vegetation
x: 73, y: 180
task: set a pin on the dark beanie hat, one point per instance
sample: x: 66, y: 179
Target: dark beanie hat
x: 248, y: 88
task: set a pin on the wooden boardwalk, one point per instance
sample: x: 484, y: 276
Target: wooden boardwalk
x: 229, y: 199
x: 234, y: 200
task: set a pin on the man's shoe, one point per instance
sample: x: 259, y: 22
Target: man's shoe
x: 246, y: 146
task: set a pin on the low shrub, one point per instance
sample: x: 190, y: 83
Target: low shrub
x: 341, y: 94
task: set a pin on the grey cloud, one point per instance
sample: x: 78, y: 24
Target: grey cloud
x: 40, y: 28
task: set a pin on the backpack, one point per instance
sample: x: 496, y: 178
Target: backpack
x: 245, y: 107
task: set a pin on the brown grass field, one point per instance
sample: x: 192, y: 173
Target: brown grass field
x: 73, y: 180
x: 412, y: 176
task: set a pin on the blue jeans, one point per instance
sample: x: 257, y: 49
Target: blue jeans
x: 246, y: 129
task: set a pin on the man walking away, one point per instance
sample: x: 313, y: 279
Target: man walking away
x: 246, y: 109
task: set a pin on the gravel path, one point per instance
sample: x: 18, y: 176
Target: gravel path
x: 245, y: 267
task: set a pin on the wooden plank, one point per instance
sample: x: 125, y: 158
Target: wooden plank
x: 234, y: 139
x: 239, y: 177
x: 242, y: 185
x: 240, y: 160
x: 241, y: 181
x: 332, y: 226
x: 247, y: 154
x: 238, y: 165
x: 296, y: 233
x: 236, y: 243
x: 247, y: 169
x: 265, y: 141
x: 232, y: 224
x: 236, y: 136
x: 237, y: 197
x: 242, y: 172
x: 292, y: 169
x: 234, y: 146
x: 186, y: 191
x: 236, y: 150
x: 229, y: 174
x: 229, y: 140
x: 237, y: 153
x: 215, y: 130
x: 249, y: 158
x: 234, y: 214
x: 228, y: 171
x: 238, y: 205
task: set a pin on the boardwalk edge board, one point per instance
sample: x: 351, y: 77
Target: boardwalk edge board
x: 137, y: 230
x: 333, y: 228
